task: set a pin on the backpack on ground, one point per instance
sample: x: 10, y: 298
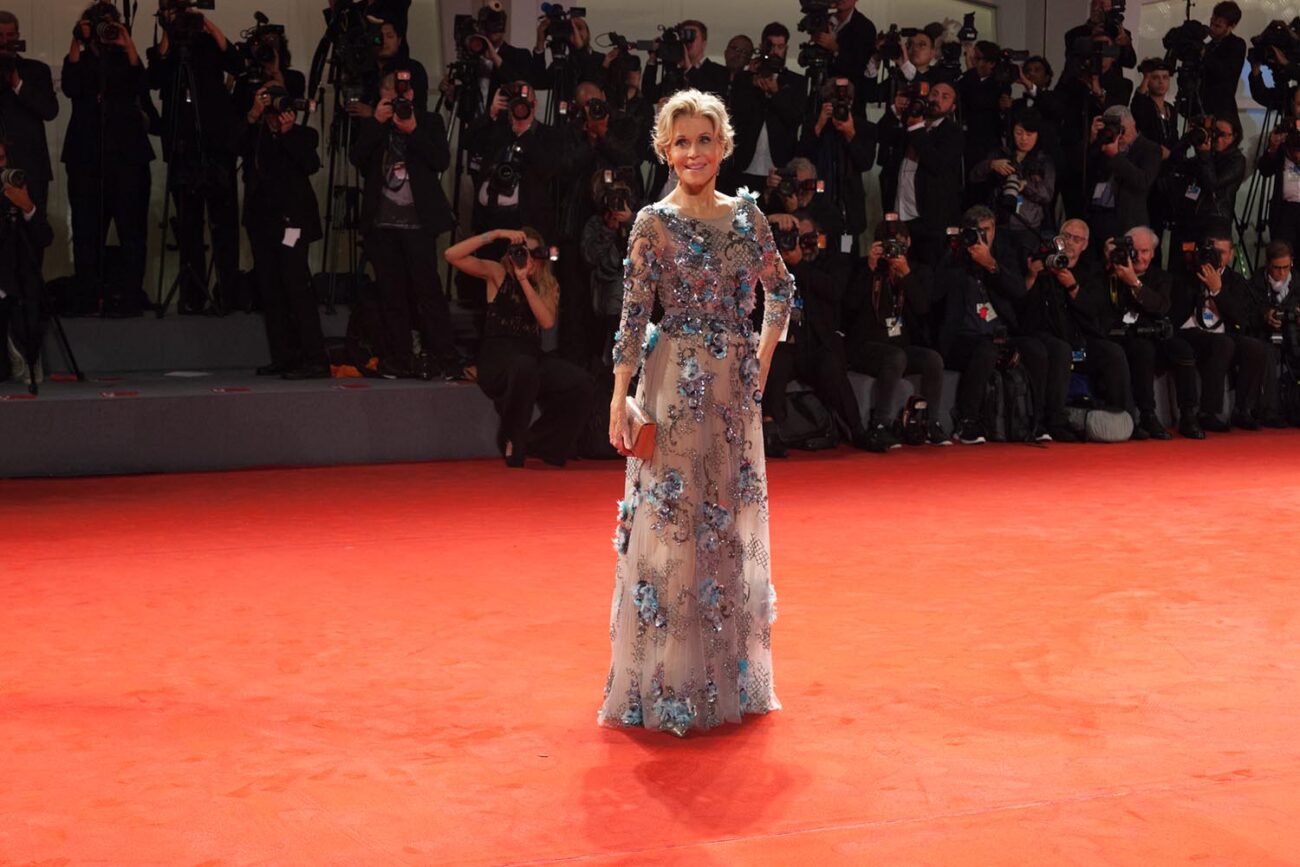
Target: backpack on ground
x: 808, y: 424
x: 913, y: 423
x: 1017, y: 405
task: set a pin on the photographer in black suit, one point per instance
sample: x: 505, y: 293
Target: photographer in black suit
x: 766, y: 106
x: 850, y: 41
x: 24, y: 234
x: 890, y: 301
x: 400, y: 152
x: 188, y: 67
x: 1122, y: 166
x: 1222, y: 60
x: 107, y: 154
x: 693, y: 70
x: 928, y: 185
x: 841, y: 142
x: 27, y: 103
x: 1274, y: 308
x: 1212, y: 306
x: 268, y: 48
x: 813, y: 351
x: 282, y: 219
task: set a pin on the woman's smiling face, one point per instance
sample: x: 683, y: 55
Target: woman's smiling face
x: 694, y: 150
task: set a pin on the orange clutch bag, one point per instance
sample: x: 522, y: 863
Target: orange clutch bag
x: 641, y: 432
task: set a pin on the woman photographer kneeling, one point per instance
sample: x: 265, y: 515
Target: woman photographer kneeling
x: 523, y: 298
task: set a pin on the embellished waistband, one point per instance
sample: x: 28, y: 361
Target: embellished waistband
x: 681, y: 323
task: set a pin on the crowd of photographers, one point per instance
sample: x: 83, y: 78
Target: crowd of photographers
x: 1024, y: 227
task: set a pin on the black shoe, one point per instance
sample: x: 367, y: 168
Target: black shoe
x: 1042, y: 435
x: 936, y: 437
x: 1154, y: 427
x: 1189, y: 427
x: 389, y: 370
x: 1140, y: 434
x: 425, y: 369
x: 453, y: 368
x: 1245, y: 421
x: 1274, y: 421
x: 772, y: 445
x: 868, y: 440
x: 970, y: 433
x: 320, y: 370
x: 1212, y: 423
x: 514, y: 461
x: 1061, y: 433
x: 272, y: 369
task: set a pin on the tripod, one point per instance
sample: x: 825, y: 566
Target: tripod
x: 183, y: 87
x: 461, y: 112
x: 1259, y: 195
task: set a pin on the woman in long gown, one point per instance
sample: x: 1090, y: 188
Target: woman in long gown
x: 693, y: 601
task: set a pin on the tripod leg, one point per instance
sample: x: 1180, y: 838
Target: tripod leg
x: 66, y: 347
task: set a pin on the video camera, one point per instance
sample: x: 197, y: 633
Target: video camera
x: 1114, y: 22
x: 816, y: 20
x: 492, y: 18
x: 672, y: 45
x: 1007, y: 70
x: 560, y: 30
x: 1279, y: 35
x: 891, y: 46
x: 183, y: 26
x: 968, y: 33
x: 259, y: 46
x: 1185, y: 43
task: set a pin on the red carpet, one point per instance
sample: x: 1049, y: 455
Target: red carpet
x: 1001, y: 655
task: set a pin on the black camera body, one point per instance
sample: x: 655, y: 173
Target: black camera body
x: 1007, y: 70
x: 969, y: 236
x: 104, y: 22
x: 768, y: 64
x: 1200, y: 131
x: 1197, y: 255
x: 1278, y: 35
x: 504, y: 176
x: 672, y: 45
x: 1051, y: 252
x: 492, y: 18
x: 968, y: 33
x: 1114, y: 22
x: 1123, y: 253
x: 893, y: 248
x: 1185, y: 42
x: 891, y: 48
x: 519, y: 254
x: 917, y: 103
x: 560, y: 30
x: 519, y: 106
x: 841, y: 100
x: 1147, y: 329
x: 281, y: 101
x: 786, y: 239
x: 816, y: 16
x: 1110, y: 131
x: 13, y: 177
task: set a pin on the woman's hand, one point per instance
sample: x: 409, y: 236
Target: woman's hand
x: 618, y: 430
x: 1003, y: 167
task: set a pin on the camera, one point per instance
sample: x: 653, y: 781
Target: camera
x: 1185, y: 42
x: 492, y: 18
x: 812, y: 243
x: 560, y: 30
x: 1114, y: 23
x: 104, y: 23
x: 403, y: 108
x: 595, y: 109
x: 182, y: 26
x: 968, y: 33
x: 841, y: 100
x: 786, y: 239
x: 469, y: 41
x: 1148, y: 329
x: 1123, y: 253
x: 893, y: 248
x: 280, y: 101
x: 917, y: 103
x: 1200, y: 131
x: 766, y: 63
x: 891, y: 47
x: 1051, y: 252
x: 520, y: 254
x: 1009, y: 195
x: 503, y: 178
x: 816, y: 16
x: 1110, y: 131
x: 616, y: 191
x: 1276, y: 35
x: 519, y: 105
x: 1089, y: 53
x: 259, y: 46
x: 13, y: 177
x: 672, y: 44
x: 1007, y: 70
x: 1197, y: 255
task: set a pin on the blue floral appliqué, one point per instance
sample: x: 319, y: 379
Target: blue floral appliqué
x: 693, y: 384
x: 714, y: 606
x: 646, y: 600
x: 675, y: 714
x: 663, y: 496
x: 749, y: 484
x: 716, y: 338
x: 714, y: 520
x: 651, y: 338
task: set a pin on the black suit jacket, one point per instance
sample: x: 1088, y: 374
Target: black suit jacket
x: 1220, y: 72
x: 1105, y: 301
x: 874, y: 299
x: 782, y: 111
x: 857, y: 41
x: 427, y: 156
x: 105, y: 89
x: 1133, y: 171
x: 216, y: 113
x: 938, y: 174
x: 840, y: 165
x: 980, y: 115
x: 277, y: 180
x: 23, y: 116
x: 543, y: 158
x: 1234, y: 301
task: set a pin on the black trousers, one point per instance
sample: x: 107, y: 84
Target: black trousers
x: 1176, y: 355
x: 217, y: 198
x: 293, y: 327
x: 577, y: 318
x: 405, y: 262
x: 824, y: 369
x: 518, y: 377
x: 889, y: 363
x: 1106, y: 367
x: 1270, y: 399
x: 120, y: 197
x: 1214, y: 354
x: 1252, y: 357
x: 1046, y: 361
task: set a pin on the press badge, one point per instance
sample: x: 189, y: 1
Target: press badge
x: 291, y: 236
x: 894, y: 324
x: 846, y: 243
x: 1130, y: 318
x: 984, y: 310
x: 1193, y: 191
x: 1079, y: 356
x: 1209, y: 317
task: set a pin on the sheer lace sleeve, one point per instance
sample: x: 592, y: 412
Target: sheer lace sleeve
x: 640, y: 276
x: 778, y: 285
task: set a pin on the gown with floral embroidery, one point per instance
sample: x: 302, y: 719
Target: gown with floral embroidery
x: 691, y: 619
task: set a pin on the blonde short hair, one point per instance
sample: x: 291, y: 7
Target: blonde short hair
x: 692, y: 103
